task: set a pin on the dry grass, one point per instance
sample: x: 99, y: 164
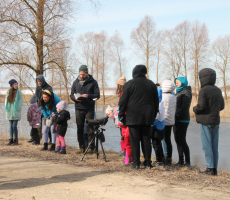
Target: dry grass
x: 170, y: 174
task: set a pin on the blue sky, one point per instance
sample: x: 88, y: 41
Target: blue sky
x: 125, y: 15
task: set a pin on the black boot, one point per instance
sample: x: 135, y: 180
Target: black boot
x: 180, y: 163
x: 31, y: 140
x: 168, y: 161
x: 52, y: 148
x: 15, y: 142
x: 10, y: 142
x: 45, y: 147
x: 209, y: 171
x: 214, y: 171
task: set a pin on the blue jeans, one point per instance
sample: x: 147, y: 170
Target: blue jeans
x: 164, y: 145
x: 210, y: 140
x: 13, y: 129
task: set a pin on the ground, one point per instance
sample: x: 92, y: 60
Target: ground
x: 26, y: 172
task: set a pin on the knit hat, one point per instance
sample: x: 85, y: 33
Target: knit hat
x: 33, y: 99
x: 109, y: 109
x: 12, y: 81
x: 121, y: 81
x: 83, y: 68
x: 61, y: 105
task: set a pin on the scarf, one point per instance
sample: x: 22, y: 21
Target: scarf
x: 81, y: 82
x: 15, y: 103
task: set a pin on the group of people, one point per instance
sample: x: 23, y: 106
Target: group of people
x: 146, y: 114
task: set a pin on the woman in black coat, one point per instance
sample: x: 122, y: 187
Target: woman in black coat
x: 138, y: 108
x: 182, y: 119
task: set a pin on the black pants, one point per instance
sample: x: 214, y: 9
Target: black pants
x: 168, y: 142
x: 138, y: 133
x: 81, y: 116
x: 157, y: 146
x: 35, y: 135
x: 180, y: 130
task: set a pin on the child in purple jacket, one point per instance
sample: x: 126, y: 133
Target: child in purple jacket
x: 34, y: 118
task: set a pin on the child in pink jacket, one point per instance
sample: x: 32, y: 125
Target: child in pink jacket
x: 34, y: 114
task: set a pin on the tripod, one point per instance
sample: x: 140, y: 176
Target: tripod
x: 97, y: 134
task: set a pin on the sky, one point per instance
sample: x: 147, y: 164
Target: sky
x: 125, y: 15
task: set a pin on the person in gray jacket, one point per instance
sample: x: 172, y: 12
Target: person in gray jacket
x: 169, y: 101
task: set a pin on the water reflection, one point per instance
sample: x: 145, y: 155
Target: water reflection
x: 112, y: 136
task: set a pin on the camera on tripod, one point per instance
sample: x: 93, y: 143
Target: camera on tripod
x: 97, y: 122
x: 98, y: 134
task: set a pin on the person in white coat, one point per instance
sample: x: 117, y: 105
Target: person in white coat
x: 169, y: 101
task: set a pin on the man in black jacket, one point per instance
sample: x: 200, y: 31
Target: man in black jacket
x: 210, y: 103
x: 138, y: 108
x: 42, y: 85
x: 87, y: 87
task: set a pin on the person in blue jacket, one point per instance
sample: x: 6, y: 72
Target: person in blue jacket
x: 48, y: 104
x: 158, y: 132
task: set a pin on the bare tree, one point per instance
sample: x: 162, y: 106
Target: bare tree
x: 172, y: 66
x: 182, y: 40
x: 221, y: 50
x: 144, y: 37
x: 199, y: 51
x: 34, y: 25
x: 117, y: 47
x: 158, y: 53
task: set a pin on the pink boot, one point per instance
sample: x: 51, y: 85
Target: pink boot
x: 128, y: 159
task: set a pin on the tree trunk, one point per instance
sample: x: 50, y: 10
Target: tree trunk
x: 40, y: 35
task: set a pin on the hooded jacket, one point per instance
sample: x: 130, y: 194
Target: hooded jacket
x: 34, y: 114
x: 60, y: 122
x: 139, y: 100
x: 91, y: 88
x: 169, y: 101
x: 44, y: 86
x: 184, y: 98
x: 210, y: 101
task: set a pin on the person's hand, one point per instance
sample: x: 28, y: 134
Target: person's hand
x: 53, y: 114
x: 85, y: 95
x: 78, y: 100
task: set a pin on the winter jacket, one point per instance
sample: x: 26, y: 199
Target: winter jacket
x: 44, y: 86
x: 60, y: 122
x: 34, y: 114
x: 47, y: 113
x: 91, y: 88
x: 210, y: 101
x: 139, y: 100
x: 169, y: 101
x: 13, y: 111
x: 184, y: 98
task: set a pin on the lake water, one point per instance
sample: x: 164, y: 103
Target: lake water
x: 112, y: 136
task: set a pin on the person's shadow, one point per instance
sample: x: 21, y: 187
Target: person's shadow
x: 33, y: 182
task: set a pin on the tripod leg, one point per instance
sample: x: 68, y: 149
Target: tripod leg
x: 97, y: 145
x: 103, y: 151
x: 88, y: 147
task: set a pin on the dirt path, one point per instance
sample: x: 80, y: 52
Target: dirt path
x: 23, y: 178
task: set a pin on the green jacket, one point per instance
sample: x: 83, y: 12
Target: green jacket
x: 12, y: 114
